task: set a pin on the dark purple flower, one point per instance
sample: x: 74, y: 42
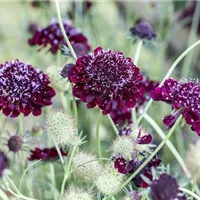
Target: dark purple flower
x: 3, y: 162
x: 46, y: 154
x: 134, y: 195
x: 143, y: 30
x: 188, y: 13
x: 122, y: 117
x: 183, y: 96
x: 120, y: 164
x: 15, y: 143
x: 105, y: 78
x: 32, y: 27
x: 181, y: 196
x: 164, y: 188
x: 133, y: 165
x: 52, y: 36
x: 145, y: 139
x: 23, y: 89
x: 125, y: 131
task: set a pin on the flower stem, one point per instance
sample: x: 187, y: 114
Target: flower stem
x: 97, y: 135
x: 169, y: 144
x: 171, y: 69
x: 21, y: 124
x: 190, y: 193
x: 75, y: 109
x: 113, y: 125
x: 149, y: 158
x: 63, y: 30
x: 67, y: 171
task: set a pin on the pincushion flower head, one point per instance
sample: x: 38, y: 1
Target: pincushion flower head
x: 184, y: 97
x: 105, y: 78
x: 52, y: 36
x: 3, y: 162
x: 143, y: 30
x: 23, y: 89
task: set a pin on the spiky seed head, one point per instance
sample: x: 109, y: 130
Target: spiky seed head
x: 56, y: 80
x: 76, y: 194
x: 123, y: 145
x: 109, y: 180
x: 62, y: 127
x: 193, y: 161
x: 90, y: 171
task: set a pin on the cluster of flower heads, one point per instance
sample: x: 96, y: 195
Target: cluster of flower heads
x: 143, y: 30
x: 23, y: 89
x: 46, y: 154
x: 121, y: 117
x: 53, y: 37
x: 106, y: 78
x: 125, y: 147
x: 184, y: 97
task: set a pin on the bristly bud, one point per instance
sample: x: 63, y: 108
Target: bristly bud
x: 110, y: 180
x: 193, y: 161
x: 15, y: 143
x: 76, y: 194
x: 88, y: 172
x: 62, y: 127
x: 124, y: 145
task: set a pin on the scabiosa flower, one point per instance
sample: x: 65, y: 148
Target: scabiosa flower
x: 46, y: 154
x: 15, y: 143
x: 192, y: 160
x: 23, y: 89
x: 134, y: 164
x: 32, y: 27
x: 3, y: 162
x: 62, y: 127
x: 76, y: 193
x: 143, y: 30
x: 184, y: 97
x: 105, y: 78
x: 164, y: 188
x: 121, y: 117
x: 90, y: 171
x: 52, y: 36
x: 109, y: 180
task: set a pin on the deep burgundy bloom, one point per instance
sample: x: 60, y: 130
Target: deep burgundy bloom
x: 46, y: 154
x: 182, y: 96
x: 188, y: 13
x: 120, y: 164
x: 52, y: 36
x: 3, y: 162
x: 143, y: 30
x: 121, y: 117
x: 164, y: 188
x: 15, y: 143
x: 133, y: 165
x: 145, y: 139
x: 124, y: 131
x: 23, y: 89
x: 106, y: 78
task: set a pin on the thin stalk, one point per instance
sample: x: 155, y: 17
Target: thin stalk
x: 97, y: 135
x: 149, y: 158
x: 21, y: 124
x: 75, y: 110
x: 169, y: 144
x: 171, y: 69
x: 190, y: 193
x: 195, y: 22
x: 53, y: 180
x: 113, y: 124
x: 63, y: 30
x: 67, y: 171
x: 63, y: 100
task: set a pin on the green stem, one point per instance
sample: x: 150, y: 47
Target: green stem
x: 167, y: 76
x: 67, y: 171
x: 21, y: 124
x: 97, y: 135
x: 53, y: 180
x: 190, y: 193
x: 113, y: 124
x: 63, y: 30
x: 169, y: 144
x: 149, y: 158
x: 195, y: 21
x: 75, y: 110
